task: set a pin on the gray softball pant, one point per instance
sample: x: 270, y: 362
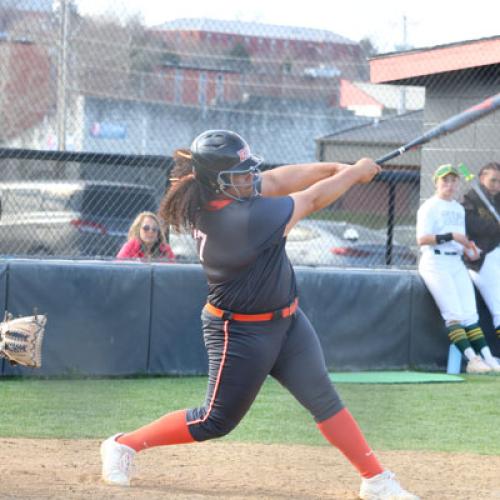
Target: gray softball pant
x: 240, y: 357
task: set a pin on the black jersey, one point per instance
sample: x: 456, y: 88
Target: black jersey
x: 242, y: 250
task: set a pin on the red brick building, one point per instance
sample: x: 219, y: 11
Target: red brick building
x: 25, y: 96
x: 197, y: 86
x: 263, y: 60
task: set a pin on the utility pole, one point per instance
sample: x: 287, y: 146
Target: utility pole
x: 62, y: 76
x: 402, y: 89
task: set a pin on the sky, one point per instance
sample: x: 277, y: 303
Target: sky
x: 428, y: 22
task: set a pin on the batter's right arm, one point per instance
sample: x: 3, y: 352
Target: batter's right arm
x: 323, y: 193
x: 282, y: 181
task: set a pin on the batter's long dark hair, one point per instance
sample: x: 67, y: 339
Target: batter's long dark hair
x: 182, y: 202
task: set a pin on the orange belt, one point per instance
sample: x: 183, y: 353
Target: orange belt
x: 267, y: 316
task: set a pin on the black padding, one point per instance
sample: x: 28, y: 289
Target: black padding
x: 361, y: 316
x: 179, y: 294
x: 98, y: 315
x: 115, y: 318
x: 428, y: 336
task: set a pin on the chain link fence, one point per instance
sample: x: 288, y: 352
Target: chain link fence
x: 74, y: 204
x: 92, y: 106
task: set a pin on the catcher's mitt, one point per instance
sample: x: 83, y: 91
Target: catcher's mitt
x: 21, y: 339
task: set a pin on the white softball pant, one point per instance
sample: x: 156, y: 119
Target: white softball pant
x: 450, y: 285
x: 487, y: 281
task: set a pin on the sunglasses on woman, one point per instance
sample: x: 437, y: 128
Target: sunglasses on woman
x: 148, y: 228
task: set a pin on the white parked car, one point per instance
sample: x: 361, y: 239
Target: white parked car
x: 69, y: 218
x: 324, y: 243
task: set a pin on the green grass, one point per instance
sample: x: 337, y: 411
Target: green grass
x: 460, y: 417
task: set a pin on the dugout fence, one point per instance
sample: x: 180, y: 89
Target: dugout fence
x: 62, y: 204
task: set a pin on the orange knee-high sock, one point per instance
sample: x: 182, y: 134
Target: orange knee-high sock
x: 169, y: 429
x: 342, y: 431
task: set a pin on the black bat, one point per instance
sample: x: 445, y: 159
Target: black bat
x: 451, y: 125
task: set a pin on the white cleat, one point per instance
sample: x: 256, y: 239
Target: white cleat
x: 493, y: 364
x: 477, y: 365
x: 384, y: 486
x: 117, y: 461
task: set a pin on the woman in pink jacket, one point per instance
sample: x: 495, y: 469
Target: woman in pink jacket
x: 146, y: 240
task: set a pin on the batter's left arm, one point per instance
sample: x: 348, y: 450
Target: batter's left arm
x: 282, y: 181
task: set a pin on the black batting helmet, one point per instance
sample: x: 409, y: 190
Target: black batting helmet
x: 216, y: 153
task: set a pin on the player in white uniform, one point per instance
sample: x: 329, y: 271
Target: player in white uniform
x: 443, y: 241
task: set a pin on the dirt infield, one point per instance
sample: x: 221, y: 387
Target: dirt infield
x: 62, y: 469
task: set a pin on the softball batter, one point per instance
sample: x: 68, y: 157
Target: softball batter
x: 252, y: 324
x: 441, y: 235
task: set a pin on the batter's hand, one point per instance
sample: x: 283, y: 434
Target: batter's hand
x: 367, y: 170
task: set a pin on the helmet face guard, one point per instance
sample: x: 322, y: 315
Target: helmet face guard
x: 220, y: 159
x: 230, y: 183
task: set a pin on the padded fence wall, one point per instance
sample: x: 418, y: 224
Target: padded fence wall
x: 115, y: 318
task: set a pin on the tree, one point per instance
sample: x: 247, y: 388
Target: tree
x: 368, y: 47
x: 171, y: 58
x: 240, y: 58
x: 286, y: 67
x: 147, y: 50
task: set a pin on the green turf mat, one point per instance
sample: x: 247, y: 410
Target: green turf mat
x: 392, y: 377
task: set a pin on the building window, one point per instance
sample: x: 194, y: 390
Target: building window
x: 178, y: 82
x: 219, y: 87
x: 202, y: 89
